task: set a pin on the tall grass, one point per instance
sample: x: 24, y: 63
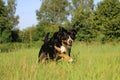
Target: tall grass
x: 91, y: 62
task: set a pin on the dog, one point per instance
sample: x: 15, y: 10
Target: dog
x: 58, y: 45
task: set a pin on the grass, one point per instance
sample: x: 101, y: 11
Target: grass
x: 91, y: 62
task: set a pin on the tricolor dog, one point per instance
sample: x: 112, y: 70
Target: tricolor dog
x: 58, y: 45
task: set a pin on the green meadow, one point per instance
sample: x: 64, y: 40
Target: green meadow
x: 91, y: 62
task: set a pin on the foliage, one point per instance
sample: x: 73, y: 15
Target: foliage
x: 4, y: 23
x: 99, y: 22
x: 8, y: 21
x: 15, y: 35
x: 52, y: 12
x: 27, y: 34
x: 50, y: 16
x: 11, y: 7
x: 83, y: 18
x: 16, y: 46
x: 107, y: 18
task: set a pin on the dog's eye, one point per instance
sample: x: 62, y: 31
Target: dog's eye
x: 73, y: 37
x: 67, y: 36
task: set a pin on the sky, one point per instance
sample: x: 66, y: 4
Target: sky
x: 26, y: 9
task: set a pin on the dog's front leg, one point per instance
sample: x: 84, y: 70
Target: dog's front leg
x: 69, y: 51
x: 57, y: 48
x: 68, y: 58
x: 63, y: 54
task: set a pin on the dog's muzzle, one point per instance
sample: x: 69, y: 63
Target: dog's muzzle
x: 70, y: 41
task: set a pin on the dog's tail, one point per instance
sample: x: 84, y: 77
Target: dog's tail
x: 46, y: 37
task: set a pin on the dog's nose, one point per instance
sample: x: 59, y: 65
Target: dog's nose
x: 70, y: 42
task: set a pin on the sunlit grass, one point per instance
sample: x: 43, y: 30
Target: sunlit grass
x: 91, y: 62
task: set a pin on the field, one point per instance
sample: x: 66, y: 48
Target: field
x: 91, y: 62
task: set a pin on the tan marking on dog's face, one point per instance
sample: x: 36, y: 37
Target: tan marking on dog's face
x: 65, y: 41
x: 68, y: 41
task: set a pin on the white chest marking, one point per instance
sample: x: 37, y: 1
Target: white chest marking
x: 63, y: 49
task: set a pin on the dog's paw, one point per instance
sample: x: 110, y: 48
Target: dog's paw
x: 71, y: 60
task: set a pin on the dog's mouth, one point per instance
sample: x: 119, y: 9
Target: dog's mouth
x: 68, y: 42
x: 70, y: 45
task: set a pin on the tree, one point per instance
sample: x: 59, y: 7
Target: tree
x: 83, y: 4
x: 52, y: 12
x: 42, y: 28
x: 15, y: 35
x: 5, y: 33
x: 51, y: 15
x: 83, y: 17
x: 27, y: 34
x: 108, y: 20
x: 13, y: 19
x: 31, y: 34
x: 11, y: 7
x: 8, y: 22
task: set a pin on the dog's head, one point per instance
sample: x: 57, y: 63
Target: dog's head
x: 67, y: 36
x: 73, y: 32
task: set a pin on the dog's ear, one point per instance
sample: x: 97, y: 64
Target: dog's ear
x: 61, y: 29
x: 76, y: 29
x: 46, y: 37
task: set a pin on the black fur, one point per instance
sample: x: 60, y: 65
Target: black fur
x: 48, y: 51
